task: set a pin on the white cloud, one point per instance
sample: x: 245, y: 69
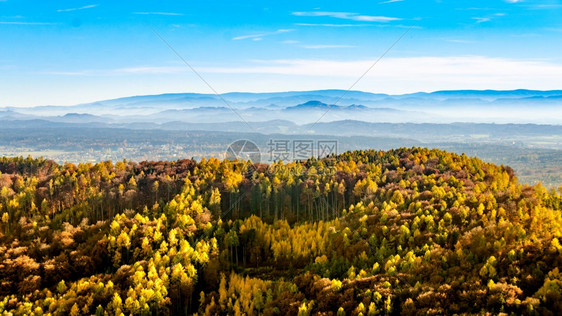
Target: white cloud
x: 554, y: 29
x: 242, y: 37
x: 390, y: 75
x: 331, y: 24
x: 259, y: 36
x: 390, y: 1
x: 481, y: 20
x: 459, y: 41
x: 408, y: 74
x: 403, y: 66
x: 327, y: 46
x: 543, y: 6
x: 489, y: 17
x: 90, y: 6
x: 348, y: 16
x: 140, y: 70
x: 26, y: 23
x: 159, y: 13
x: 290, y: 42
x: 151, y: 70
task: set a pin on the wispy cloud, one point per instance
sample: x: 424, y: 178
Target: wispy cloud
x: 391, y: 75
x: 390, y: 1
x: 543, y: 6
x: 347, y: 16
x: 26, y: 23
x: 554, y: 29
x: 140, y: 70
x: 259, y: 36
x: 327, y: 46
x: 456, y: 68
x: 67, y: 73
x: 159, y: 13
x: 151, y: 70
x: 357, y: 25
x: 5, y: 67
x: 459, y: 41
x: 481, y: 19
x: 331, y: 25
x: 489, y: 17
x: 90, y: 6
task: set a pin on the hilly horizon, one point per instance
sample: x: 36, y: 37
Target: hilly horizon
x: 336, y: 93
x: 303, y: 107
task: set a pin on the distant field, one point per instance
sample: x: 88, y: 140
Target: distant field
x: 9, y: 152
x: 532, y: 164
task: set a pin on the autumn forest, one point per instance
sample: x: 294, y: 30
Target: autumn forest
x: 401, y: 232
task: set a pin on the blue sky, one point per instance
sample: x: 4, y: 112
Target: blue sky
x: 69, y: 52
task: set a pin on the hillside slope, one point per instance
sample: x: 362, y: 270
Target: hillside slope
x: 407, y: 231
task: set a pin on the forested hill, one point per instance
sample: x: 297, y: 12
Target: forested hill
x: 402, y: 232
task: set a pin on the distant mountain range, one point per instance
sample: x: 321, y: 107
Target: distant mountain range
x: 305, y: 107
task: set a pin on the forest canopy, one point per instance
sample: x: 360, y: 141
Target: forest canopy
x: 400, y: 232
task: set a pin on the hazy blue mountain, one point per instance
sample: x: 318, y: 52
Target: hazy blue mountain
x: 318, y: 105
x: 302, y: 107
x: 79, y: 118
x: 14, y: 115
x: 486, y: 94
